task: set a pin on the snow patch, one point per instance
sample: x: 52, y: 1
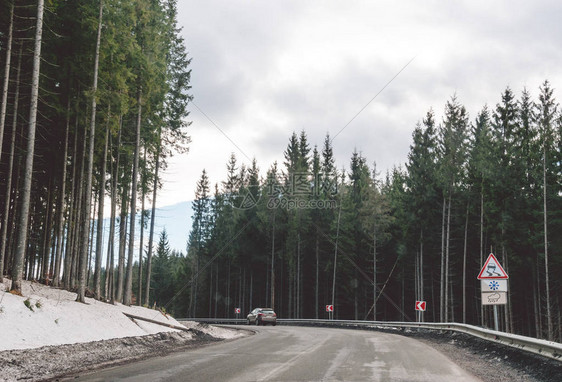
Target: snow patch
x: 214, y: 331
x: 55, y: 318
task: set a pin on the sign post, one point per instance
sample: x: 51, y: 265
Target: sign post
x: 420, y: 308
x: 330, y: 311
x: 493, y: 285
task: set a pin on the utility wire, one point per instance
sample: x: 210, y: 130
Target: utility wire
x: 372, y: 99
x: 219, y: 129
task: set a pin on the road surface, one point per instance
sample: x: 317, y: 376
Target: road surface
x: 286, y: 353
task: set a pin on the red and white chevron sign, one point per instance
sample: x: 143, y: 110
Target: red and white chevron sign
x: 420, y: 305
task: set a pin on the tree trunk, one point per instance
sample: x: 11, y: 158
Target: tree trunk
x: 195, y: 278
x: 47, y: 235
x: 550, y: 333
x: 152, y: 219
x: 61, y: 202
x: 251, y: 304
x: 139, y: 296
x: 13, y: 218
x: 442, y: 284
x: 273, y: 262
x: 482, y: 243
x: 452, y: 302
x: 335, y: 261
x: 109, y: 280
x: 447, y: 249
x: 417, y: 283
x: 4, y: 104
x: 21, y: 242
x: 81, y: 297
x: 227, y: 300
x: 508, y: 317
x: 122, y: 240
x: 316, y: 279
x: 298, y: 295
x: 211, y: 281
x: 464, y: 267
x: 241, y: 282
x: 216, y: 290
x: 374, y: 272
x: 91, y: 240
x: 99, y: 237
x: 109, y: 254
x: 129, y: 277
x: 242, y: 303
x: 421, y: 274
x: 402, y: 290
x: 8, y: 198
x: 78, y: 213
x: 71, y: 226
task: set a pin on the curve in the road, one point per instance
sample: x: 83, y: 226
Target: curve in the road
x: 298, y: 354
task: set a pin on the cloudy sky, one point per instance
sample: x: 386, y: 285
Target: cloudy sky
x: 263, y: 69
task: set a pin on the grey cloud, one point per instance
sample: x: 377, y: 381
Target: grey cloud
x: 482, y: 48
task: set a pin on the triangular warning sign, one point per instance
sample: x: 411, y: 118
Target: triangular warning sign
x: 492, y: 269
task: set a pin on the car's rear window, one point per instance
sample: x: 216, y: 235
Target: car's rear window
x: 268, y: 311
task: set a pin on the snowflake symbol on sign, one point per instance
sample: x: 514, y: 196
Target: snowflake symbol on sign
x: 494, y: 285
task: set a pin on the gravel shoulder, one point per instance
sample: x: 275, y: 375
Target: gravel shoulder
x: 489, y: 361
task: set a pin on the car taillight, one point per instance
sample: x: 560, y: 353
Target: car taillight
x: 260, y: 314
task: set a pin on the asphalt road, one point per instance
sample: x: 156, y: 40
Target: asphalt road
x: 285, y: 353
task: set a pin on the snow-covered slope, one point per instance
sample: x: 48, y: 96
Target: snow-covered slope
x: 54, y: 318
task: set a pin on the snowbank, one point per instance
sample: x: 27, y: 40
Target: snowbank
x: 214, y: 331
x: 54, y: 318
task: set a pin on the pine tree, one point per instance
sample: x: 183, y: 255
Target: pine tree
x: 480, y: 173
x: 422, y: 186
x: 161, y: 276
x: 21, y: 244
x: 199, y: 235
x: 547, y: 109
x: 353, y: 230
x: 452, y: 155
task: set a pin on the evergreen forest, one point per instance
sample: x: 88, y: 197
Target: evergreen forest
x: 95, y: 100
x: 308, y: 234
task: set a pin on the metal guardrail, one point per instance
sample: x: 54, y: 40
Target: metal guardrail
x: 545, y: 348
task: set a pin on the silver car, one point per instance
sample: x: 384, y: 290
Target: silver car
x: 262, y: 316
